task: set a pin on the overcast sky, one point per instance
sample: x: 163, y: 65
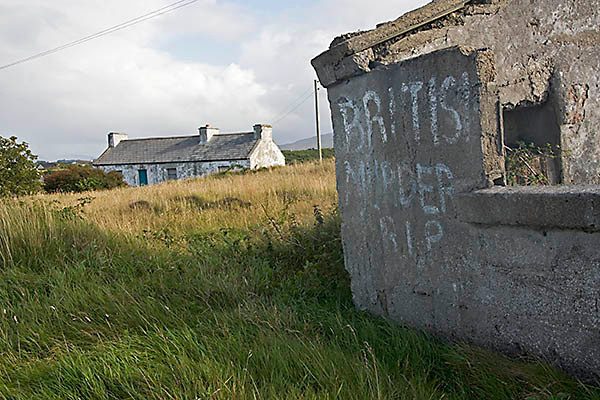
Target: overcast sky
x: 230, y: 64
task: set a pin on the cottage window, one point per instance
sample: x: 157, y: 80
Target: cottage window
x: 171, y: 174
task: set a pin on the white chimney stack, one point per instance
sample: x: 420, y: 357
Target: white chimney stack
x: 206, y: 133
x: 114, y: 138
x: 263, y: 132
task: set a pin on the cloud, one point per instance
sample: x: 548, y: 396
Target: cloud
x: 65, y: 104
x: 223, y: 20
x: 280, y: 55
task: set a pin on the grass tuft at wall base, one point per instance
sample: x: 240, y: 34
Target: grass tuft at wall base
x: 211, y: 299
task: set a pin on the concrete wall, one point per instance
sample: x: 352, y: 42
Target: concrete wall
x: 427, y: 242
x: 547, y: 53
x: 157, y: 173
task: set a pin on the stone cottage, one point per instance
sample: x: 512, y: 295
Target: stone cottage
x: 155, y: 160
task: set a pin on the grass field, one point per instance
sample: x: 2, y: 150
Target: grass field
x: 229, y: 287
x: 300, y: 156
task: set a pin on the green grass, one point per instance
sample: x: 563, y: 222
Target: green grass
x: 260, y: 310
x: 301, y: 156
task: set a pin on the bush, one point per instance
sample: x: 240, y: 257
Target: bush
x: 18, y: 174
x: 77, y: 178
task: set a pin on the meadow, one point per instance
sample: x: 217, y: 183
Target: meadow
x: 228, y: 287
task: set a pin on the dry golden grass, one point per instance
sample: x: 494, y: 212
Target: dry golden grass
x: 208, y: 202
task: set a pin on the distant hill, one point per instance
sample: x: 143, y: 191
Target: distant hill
x: 74, y: 161
x: 309, y: 143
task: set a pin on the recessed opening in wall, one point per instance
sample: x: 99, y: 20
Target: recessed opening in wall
x: 532, y: 145
x: 143, y: 177
x: 171, y: 174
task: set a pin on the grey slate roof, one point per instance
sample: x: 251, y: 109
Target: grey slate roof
x: 237, y: 146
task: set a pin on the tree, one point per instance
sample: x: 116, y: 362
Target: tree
x: 18, y: 173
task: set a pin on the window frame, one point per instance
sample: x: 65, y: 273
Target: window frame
x: 170, y: 176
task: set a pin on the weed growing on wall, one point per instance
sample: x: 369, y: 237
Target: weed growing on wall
x: 529, y: 165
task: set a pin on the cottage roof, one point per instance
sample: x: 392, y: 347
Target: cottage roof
x: 233, y: 146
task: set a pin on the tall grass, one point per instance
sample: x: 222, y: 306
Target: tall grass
x: 230, y: 287
x: 185, y: 205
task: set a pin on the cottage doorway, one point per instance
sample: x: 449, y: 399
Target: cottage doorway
x: 143, y: 177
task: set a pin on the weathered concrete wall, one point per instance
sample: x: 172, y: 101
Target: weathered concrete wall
x: 547, y: 52
x: 417, y: 143
x: 157, y: 173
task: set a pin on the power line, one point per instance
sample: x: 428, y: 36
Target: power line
x: 115, y: 28
x: 134, y: 21
x: 293, y: 109
x: 295, y: 106
x: 292, y: 104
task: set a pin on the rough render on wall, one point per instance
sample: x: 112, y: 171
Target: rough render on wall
x: 417, y: 143
x: 547, y: 54
x: 266, y: 154
x: 157, y: 173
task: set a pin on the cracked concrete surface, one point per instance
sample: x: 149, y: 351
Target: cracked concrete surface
x: 543, y: 49
x: 422, y: 108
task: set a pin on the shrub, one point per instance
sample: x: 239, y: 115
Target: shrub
x: 77, y: 178
x: 528, y: 164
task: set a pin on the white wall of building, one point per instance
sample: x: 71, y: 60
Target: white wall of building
x: 158, y: 173
x: 266, y: 154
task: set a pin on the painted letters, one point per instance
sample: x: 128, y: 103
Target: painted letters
x: 414, y: 194
x: 366, y: 116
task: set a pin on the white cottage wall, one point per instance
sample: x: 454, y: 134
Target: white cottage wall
x: 158, y: 173
x: 266, y: 154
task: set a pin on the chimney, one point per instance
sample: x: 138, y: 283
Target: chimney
x: 263, y: 132
x: 206, y: 133
x: 114, y: 138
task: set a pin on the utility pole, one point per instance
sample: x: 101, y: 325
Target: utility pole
x: 318, y: 121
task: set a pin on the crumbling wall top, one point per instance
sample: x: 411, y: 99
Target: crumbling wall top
x: 433, y: 15
x: 547, y: 57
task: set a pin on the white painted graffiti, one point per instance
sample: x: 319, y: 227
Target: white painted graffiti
x: 428, y: 190
x: 365, y: 118
x: 385, y: 174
